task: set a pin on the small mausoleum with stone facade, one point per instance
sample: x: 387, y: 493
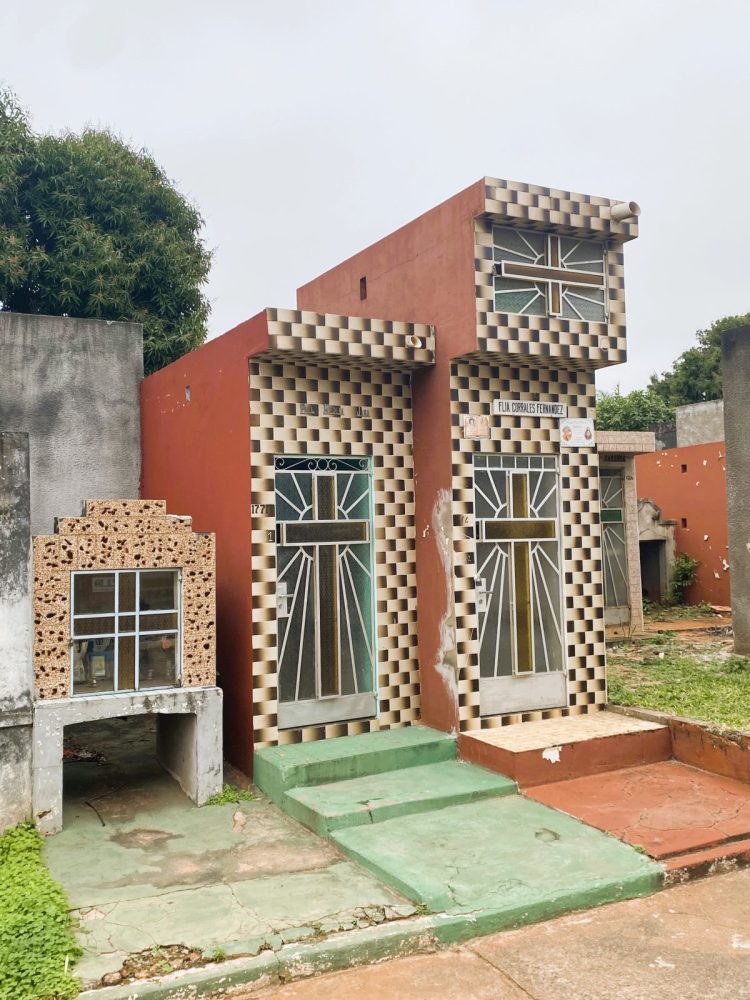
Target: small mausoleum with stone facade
x: 124, y: 624
x: 403, y: 475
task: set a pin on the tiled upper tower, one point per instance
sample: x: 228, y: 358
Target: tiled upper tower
x: 549, y: 275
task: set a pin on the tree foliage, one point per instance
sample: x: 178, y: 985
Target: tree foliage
x: 696, y: 375
x: 638, y: 410
x: 93, y: 228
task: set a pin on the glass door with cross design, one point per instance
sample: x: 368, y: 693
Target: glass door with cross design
x: 615, y: 552
x: 324, y: 590
x: 518, y: 585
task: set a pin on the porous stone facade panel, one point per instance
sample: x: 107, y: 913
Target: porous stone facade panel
x: 122, y: 535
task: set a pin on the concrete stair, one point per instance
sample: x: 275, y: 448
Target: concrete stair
x: 378, y: 797
x: 450, y: 836
x: 277, y: 770
x: 537, y: 753
x: 330, y: 785
x: 503, y: 860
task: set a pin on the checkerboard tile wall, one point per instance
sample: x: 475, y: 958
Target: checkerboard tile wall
x: 297, y: 335
x: 277, y: 388
x: 474, y: 385
x: 548, y: 339
x: 569, y: 213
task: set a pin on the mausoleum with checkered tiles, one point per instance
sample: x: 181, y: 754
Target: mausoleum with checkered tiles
x: 402, y: 475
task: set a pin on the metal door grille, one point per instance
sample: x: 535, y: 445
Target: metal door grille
x: 325, y: 590
x: 519, y: 584
x: 613, y: 539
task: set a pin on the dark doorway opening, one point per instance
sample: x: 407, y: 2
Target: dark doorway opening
x: 653, y: 570
x: 111, y: 772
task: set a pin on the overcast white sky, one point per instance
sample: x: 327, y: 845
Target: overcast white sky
x: 306, y: 129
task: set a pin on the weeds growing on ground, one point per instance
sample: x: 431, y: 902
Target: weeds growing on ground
x: 37, y: 946
x: 672, y: 612
x: 230, y: 793
x: 699, y: 681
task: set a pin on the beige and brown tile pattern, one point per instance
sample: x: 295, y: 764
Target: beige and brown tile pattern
x: 474, y: 385
x: 295, y: 335
x: 545, y: 340
x: 375, y: 422
x: 530, y: 206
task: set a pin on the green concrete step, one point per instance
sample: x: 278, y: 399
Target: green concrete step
x: 377, y: 797
x: 504, y: 860
x: 277, y: 769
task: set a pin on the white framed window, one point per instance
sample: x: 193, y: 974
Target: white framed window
x: 125, y: 630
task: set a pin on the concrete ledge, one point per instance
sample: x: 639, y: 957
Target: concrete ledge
x: 713, y: 748
x: 189, y: 741
x: 568, y: 760
x: 261, y: 970
x: 17, y: 717
x: 89, y: 708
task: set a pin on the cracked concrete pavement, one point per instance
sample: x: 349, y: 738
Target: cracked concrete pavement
x: 146, y: 868
x: 690, y: 942
x: 454, y: 860
x: 667, y: 808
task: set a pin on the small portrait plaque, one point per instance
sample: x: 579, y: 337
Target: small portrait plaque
x: 476, y: 426
x: 577, y: 433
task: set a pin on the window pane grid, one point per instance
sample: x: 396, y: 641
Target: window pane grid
x: 117, y: 657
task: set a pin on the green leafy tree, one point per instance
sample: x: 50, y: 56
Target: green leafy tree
x: 638, y: 410
x: 696, y: 375
x: 91, y: 227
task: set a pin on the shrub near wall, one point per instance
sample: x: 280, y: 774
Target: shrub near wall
x: 37, y: 946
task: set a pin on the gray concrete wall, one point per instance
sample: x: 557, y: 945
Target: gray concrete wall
x: 700, y: 423
x: 74, y: 386
x: 651, y: 528
x: 735, y: 367
x: 665, y: 435
x: 16, y: 674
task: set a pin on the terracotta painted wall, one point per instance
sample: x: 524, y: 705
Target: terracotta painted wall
x: 196, y: 456
x: 689, y: 485
x: 422, y: 273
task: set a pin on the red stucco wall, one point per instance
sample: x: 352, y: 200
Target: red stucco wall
x: 196, y: 456
x: 689, y: 485
x: 422, y: 273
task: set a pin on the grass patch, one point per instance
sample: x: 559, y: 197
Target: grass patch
x: 37, y: 946
x: 230, y: 793
x: 705, y: 685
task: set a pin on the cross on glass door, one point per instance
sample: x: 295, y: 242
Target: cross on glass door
x: 521, y: 530
x: 324, y: 590
x: 519, y: 597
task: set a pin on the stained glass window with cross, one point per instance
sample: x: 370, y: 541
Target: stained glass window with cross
x: 518, y: 585
x: 543, y: 274
x: 324, y: 589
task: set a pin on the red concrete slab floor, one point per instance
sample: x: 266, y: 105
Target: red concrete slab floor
x: 667, y: 808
